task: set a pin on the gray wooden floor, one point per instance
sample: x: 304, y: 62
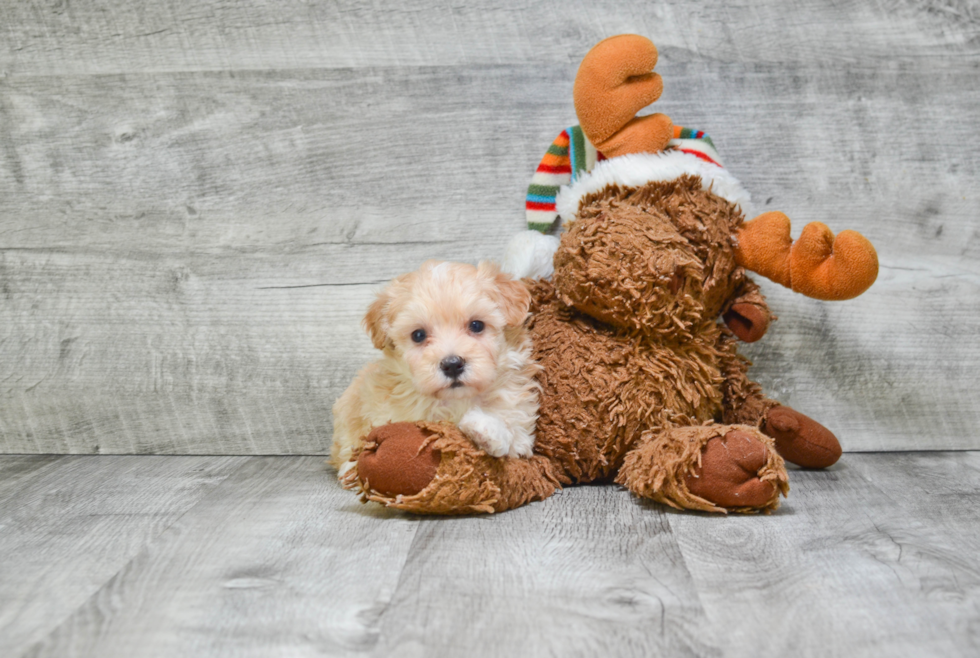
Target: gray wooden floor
x: 131, y: 556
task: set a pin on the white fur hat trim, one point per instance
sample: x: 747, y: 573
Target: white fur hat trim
x: 637, y: 169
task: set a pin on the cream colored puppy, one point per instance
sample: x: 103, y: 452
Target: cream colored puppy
x: 455, y: 349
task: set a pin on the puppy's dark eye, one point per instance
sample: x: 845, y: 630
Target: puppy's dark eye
x: 418, y: 336
x: 476, y: 326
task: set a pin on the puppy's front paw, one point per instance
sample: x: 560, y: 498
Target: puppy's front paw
x: 488, y: 432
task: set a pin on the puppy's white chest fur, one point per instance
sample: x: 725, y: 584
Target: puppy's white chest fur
x: 491, y: 433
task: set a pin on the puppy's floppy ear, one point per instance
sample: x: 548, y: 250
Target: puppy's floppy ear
x: 376, y: 319
x: 511, y: 295
x: 386, y: 307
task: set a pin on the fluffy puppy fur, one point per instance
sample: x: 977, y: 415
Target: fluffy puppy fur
x: 455, y: 349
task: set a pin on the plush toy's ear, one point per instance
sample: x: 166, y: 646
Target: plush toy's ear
x: 511, y: 295
x: 376, y: 321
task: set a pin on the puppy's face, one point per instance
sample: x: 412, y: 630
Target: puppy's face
x: 449, y: 323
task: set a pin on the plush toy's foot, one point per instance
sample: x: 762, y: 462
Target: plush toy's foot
x: 729, y: 472
x: 432, y: 468
x: 714, y: 468
x: 398, y: 460
x: 800, y: 439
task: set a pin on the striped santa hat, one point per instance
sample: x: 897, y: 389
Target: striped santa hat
x: 572, y: 168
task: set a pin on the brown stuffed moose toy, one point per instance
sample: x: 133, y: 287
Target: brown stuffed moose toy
x: 640, y: 381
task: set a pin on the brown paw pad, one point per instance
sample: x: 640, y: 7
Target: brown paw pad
x: 800, y: 439
x: 398, y: 460
x: 729, y: 472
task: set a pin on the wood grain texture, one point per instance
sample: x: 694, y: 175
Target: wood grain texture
x: 589, y: 572
x: 114, y: 36
x: 278, y: 562
x: 197, y: 201
x: 942, y: 487
x: 841, y: 563
x: 72, y: 523
x: 873, y: 557
x: 16, y: 468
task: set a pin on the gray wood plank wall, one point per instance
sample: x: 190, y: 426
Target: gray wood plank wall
x: 198, y: 200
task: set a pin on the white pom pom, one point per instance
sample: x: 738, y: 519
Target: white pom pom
x: 530, y: 254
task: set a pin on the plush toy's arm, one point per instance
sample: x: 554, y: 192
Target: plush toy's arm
x: 432, y: 468
x: 817, y: 265
x: 747, y: 314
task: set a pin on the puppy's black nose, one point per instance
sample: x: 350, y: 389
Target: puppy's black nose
x: 452, y: 366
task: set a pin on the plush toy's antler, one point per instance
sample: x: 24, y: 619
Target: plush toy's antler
x: 816, y: 265
x: 614, y: 82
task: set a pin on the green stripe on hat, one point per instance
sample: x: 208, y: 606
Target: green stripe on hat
x: 543, y: 227
x: 578, y: 150
x: 554, y: 149
x: 542, y: 190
